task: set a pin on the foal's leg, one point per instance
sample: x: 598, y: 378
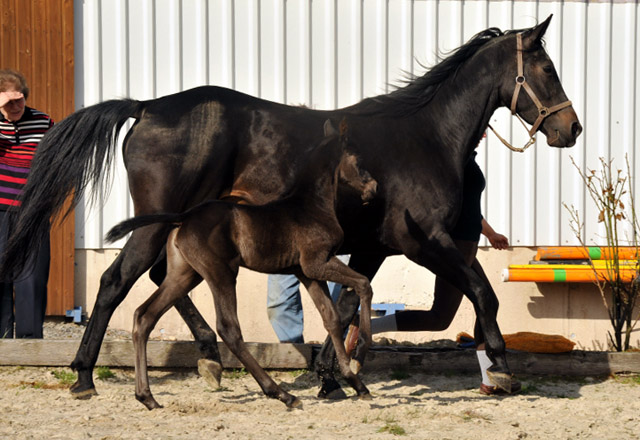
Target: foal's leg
x: 347, y: 305
x: 320, y: 296
x: 181, y: 279
x: 335, y: 270
x: 222, y: 281
x: 209, y: 367
x: 136, y: 257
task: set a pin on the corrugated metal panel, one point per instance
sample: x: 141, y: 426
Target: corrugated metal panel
x: 328, y: 54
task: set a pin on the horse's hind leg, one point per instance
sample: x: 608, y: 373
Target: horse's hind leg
x: 347, y: 306
x: 136, y: 257
x: 181, y: 279
x: 222, y: 284
x: 320, y: 296
x: 209, y: 367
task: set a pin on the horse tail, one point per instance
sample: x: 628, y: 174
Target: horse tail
x: 126, y: 226
x: 73, y: 154
x: 129, y: 225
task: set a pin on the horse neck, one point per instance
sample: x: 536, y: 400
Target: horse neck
x: 321, y: 194
x: 460, y: 112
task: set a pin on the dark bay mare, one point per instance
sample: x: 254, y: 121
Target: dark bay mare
x: 212, y: 142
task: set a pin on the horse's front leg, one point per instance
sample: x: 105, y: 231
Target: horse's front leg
x: 320, y: 296
x: 439, y: 254
x: 347, y: 306
x: 336, y: 271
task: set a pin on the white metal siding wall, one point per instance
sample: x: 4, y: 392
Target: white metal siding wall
x: 332, y: 53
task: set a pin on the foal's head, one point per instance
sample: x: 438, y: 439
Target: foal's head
x: 348, y: 171
x: 350, y: 174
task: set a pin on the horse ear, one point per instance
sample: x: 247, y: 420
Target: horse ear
x: 533, y: 36
x: 329, y: 129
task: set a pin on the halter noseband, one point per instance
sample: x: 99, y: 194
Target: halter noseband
x: 543, y: 111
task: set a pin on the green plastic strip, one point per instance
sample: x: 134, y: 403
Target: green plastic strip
x: 559, y: 275
x: 595, y: 253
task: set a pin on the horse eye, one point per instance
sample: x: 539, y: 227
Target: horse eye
x: 548, y: 69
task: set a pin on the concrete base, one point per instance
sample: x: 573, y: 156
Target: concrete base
x: 575, y: 311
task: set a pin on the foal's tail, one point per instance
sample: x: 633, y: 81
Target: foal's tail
x: 126, y: 226
x: 72, y: 155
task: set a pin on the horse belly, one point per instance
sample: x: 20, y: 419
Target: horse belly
x: 264, y: 244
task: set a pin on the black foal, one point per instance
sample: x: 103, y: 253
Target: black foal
x: 298, y: 234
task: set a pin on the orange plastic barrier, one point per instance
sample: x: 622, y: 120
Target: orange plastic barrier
x: 580, y: 253
x: 564, y: 273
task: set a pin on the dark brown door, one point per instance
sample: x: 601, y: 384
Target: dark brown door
x: 36, y: 38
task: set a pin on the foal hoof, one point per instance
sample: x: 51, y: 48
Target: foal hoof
x: 82, y: 394
x: 211, y: 371
x: 295, y: 404
x: 337, y: 394
x: 149, y: 402
x: 355, y: 366
x: 501, y: 380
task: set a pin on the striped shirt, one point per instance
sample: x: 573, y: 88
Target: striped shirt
x: 18, y: 143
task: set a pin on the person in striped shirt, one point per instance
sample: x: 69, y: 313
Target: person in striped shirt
x: 23, y: 300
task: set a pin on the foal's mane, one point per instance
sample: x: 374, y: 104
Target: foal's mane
x: 420, y: 90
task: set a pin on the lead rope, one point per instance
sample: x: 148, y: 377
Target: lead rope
x: 543, y: 111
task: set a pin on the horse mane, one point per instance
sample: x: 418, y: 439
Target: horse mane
x: 420, y: 90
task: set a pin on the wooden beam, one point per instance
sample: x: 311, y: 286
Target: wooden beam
x: 184, y: 354
x: 166, y: 354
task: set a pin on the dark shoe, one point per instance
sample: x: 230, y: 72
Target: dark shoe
x: 489, y: 390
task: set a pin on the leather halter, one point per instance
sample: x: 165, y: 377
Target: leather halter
x: 543, y: 112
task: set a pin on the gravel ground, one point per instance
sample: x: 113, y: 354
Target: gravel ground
x: 60, y: 329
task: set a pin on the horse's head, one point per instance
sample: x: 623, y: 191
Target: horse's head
x: 533, y: 90
x: 349, y: 171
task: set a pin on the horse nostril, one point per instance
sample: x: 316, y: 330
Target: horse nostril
x: 576, y: 129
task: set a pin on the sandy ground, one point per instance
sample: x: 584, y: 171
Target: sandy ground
x: 36, y: 404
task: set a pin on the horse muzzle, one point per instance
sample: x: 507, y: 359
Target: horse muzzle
x: 562, y: 128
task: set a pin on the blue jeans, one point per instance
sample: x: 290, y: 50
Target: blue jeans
x: 284, y: 305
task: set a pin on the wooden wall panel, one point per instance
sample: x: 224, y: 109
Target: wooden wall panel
x: 37, y: 39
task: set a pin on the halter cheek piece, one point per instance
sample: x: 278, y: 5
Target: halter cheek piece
x: 543, y: 112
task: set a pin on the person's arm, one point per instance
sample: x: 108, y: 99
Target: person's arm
x: 498, y: 241
x: 7, y: 96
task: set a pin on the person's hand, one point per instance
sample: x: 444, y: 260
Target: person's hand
x: 498, y: 241
x: 9, y: 95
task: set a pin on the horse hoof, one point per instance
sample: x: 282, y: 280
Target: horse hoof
x: 355, y: 366
x: 295, y: 404
x: 337, y: 394
x: 501, y: 380
x: 82, y: 394
x: 149, y: 402
x: 365, y: 396
x: 211, y: 371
